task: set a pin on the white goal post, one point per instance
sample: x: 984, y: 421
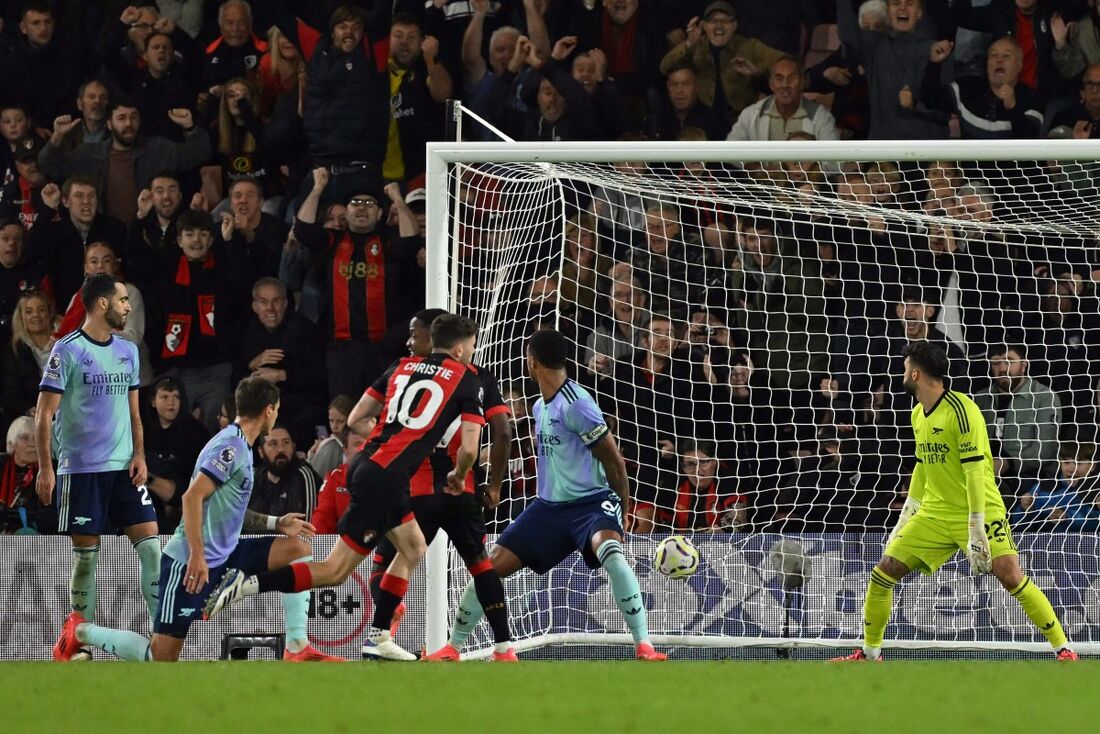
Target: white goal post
x: 811, y: 262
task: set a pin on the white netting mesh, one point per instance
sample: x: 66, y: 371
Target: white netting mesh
x: 741, y: 326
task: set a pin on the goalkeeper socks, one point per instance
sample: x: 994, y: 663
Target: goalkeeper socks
x: 82, y: 592
x: 295, y: 607
x: 288, y: 579
x: 490, y: 595
x: 148, y: 550
x: 120, y: 643
x: 391, y: 590
x: 624, y: 585
x: 877, y: 606
x: 1040, y: 612
x: 467, y: 616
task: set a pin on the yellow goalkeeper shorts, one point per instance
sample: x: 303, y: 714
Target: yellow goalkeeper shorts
x: 924, y: 544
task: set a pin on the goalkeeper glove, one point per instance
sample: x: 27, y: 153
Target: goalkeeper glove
x: 977, y: 546
x: 907, y: 511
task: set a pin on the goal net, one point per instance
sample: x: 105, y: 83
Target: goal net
x: 739, y: 312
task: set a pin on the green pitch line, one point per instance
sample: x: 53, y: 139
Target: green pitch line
x: 1036, y: 697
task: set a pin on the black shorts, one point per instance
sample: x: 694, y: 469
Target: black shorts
x: 460, y: 516
x: 379, y: 503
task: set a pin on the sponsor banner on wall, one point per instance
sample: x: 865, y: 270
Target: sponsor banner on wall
x: 34, y: 601
x: 737, y: 591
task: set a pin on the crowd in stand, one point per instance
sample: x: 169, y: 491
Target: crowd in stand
x: 254, y: 174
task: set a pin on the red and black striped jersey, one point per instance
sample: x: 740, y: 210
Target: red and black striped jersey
x: 425, y: 402
x: 360, y: 278
x: 431, y: 476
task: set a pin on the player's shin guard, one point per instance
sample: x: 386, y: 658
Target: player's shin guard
x: 148, y: 551
x: 1040, y: 612
x: 295, y: 607
x: 490, y: 594
x: 624, y: 585
x: 391, y: 590
x: 120, y: 643
x: 468, y: 614
x: 877, y: 606
x: 82, y: 592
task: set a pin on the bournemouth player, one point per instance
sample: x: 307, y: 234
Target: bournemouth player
x: 953, y: 504
x: 582, y: 490
x: 426, y: 397
x: 208, y: 542
x: 88, y: 404
x: 436, y: 507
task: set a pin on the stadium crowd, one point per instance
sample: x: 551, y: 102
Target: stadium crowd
x: 750, y: 361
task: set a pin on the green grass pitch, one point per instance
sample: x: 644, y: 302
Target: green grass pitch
x: 1037, y: 697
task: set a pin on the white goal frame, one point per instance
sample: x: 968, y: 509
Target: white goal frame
x: 442, y: 242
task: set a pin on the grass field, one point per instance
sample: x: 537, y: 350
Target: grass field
x: 1036, y: 697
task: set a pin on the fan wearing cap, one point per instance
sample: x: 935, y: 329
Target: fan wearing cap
x: 21, y: 197
x: 367, y: 311
x: 728, y: 65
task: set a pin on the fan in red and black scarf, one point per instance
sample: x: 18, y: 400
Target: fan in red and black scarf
x: 21, y: 197
x: 701, y: 500
x: 363, y: 271
x: 198, y: 314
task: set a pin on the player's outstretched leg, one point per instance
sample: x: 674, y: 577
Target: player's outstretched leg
x: 1035, y: 603
x: 628, y: 595
x: 120, y: 643
x: 237, y: 586
x: 877, y: 605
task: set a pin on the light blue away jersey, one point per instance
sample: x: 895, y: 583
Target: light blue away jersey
x: 567, y: 429
x: 227, y: 460
x: 91, y: 429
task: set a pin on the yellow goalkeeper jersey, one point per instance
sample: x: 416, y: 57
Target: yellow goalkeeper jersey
x: 951, y: 435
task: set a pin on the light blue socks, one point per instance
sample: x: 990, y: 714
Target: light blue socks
x: 624, y: 586
x: 295, y: 607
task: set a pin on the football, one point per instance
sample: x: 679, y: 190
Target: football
x: 677, y: 557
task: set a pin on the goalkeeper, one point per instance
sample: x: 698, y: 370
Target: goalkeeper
x: 953, y: 504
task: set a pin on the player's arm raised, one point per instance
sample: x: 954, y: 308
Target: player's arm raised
x: 468, y: 449
x: 606, y: 450
x: 48, y: 403
x: 198, y: 573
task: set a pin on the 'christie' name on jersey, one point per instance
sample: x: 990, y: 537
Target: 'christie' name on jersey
x: 426, y: 368
x: 933, y: 453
